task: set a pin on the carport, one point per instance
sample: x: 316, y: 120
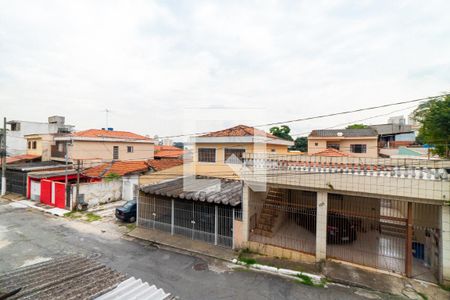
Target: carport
x: 204, y: 210
x: 383, y: 238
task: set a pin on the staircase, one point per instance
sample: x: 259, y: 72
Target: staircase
x: 267, y: 221
x: 393, y: 229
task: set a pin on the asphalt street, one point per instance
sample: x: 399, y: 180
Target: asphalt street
x: 28, y: 236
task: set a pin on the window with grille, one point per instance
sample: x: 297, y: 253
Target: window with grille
x: 29, y: 145
x: 333, y: 145
x: 115, y: 152
x: 237, y: 158
x: 358, y: 148
x: 207, y: 155
x: 34, y: 144
x: 130, y: 149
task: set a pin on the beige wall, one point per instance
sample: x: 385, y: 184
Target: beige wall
x: 43, y: 146
x: 220, y: 168
x: 104, y: 150
x: 157, y: 177
x: 372, y: 145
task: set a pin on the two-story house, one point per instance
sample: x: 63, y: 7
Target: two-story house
x: 355, y: 142
x: 97, y: 145
x: 19, y: 129
x: 214, y: 151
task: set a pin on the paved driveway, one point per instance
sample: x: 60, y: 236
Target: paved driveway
x: 28, y: 236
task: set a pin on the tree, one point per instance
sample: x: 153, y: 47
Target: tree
x: 282, y: 132
x: 356, y: 126
x: 301, y: 144
x: 434, y: 115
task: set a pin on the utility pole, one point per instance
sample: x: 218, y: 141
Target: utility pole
x: 3, y: 154
x: 66, y: 181
x: 78, y: 184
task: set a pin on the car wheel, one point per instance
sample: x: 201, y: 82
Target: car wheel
x: 132, y: 219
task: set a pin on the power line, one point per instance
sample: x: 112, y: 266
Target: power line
x: 323, y: 116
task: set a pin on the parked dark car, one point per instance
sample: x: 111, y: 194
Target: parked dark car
x: 127, y: 212
x: 340, y: 229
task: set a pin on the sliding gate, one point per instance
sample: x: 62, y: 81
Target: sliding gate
x: 195, y: 220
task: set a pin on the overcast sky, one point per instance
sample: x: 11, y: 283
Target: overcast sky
x: 149, y: 61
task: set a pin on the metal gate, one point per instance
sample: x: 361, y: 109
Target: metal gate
x: 285, y: 218
x: 374, y: 232
x: 197, y: 221
x: 16, y: 182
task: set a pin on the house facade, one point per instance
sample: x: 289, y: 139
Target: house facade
x: 18, y: 129
x: 39, y: 145
x: 213, y: 152
x: 355, y: 142
x: 94, y: 146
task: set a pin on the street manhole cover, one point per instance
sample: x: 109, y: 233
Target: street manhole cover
x: 200, y: 267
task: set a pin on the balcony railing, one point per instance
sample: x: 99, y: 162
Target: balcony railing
x: 399, y: 168
x: 399, y: 177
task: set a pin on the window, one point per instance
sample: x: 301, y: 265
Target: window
x: 130, y: 149
x: 29, y: 145
x: 273, y: 150
x: 333, y: 145
x: 238, y: 153
x: 316, y: 144
x: 34, y: 144
x: 207, y: 155
x: 60, y: 147
x: 115, y: 152
x: 358, y: 148
x: 15, y: 126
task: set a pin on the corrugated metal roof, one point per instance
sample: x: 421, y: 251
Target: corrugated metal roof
x: 40, y: 165
x: 67, y: 277
x: 363, y: 132
x: 135, y: 289
x: 228, y: 192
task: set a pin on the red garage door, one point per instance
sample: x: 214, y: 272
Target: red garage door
x: 46, y: 192
x: 60, y: 194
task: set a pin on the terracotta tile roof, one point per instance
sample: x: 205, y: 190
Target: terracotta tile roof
x: 168, y: 152
x: 162, y: 164
x: 239, y: 130
x: 21, y: 158
x: 98, y: 133
x: 331, y: 152
x: 120, y: 168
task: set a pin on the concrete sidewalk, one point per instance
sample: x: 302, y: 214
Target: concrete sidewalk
x: 183, y: 243
x: 334, y: 271
x: 45, y: 208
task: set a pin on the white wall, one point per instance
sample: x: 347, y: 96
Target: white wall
x: 99, y: 192
x: 128, y: 185
x: 15, y: 141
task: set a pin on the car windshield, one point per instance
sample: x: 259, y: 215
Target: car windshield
x: 129, y: 204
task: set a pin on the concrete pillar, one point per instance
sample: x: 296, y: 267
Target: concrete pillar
x: 321, y: 226
x: 216, y: 224
x: 445, y: 245
x: 172, y: 218
x: 245, y: 212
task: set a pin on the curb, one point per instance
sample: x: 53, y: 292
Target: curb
x: 181, y: 249
x: 279, y: 271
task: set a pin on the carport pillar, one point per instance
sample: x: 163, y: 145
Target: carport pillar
x: 445, y: 245
x: 172, y: 219
x: 321, y: 226
x: 245, y: 212
x: 408, y: 246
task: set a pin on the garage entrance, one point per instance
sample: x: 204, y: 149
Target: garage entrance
x: 285, y: 218
x: 375, y: 233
